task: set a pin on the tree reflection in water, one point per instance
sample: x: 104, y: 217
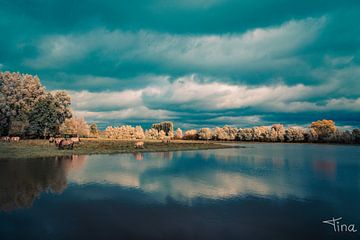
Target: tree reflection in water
x: 23, y: 180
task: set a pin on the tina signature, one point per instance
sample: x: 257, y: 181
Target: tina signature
x: 338, y: 226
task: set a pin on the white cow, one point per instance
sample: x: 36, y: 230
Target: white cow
x: 139, y: 145
x: 14, y: 139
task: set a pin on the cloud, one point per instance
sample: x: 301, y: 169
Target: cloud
x: 139, y: 113
x: 343, y: 104
x: 258, y: 48
x: 98, y: 83
x: 105, y: 101
x: 338, y: 61
x: 201, y: 62
x: 199, y: 101
x: 244, y: 120
x: 189, y: 93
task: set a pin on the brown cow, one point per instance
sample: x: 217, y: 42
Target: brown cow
x: 166, y: 140
x: 5, y: 139
x: 66, y: 144
x: 139, y: 144
x: 57, y: 141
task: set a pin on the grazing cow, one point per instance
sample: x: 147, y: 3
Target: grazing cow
x: 75, y: 139
x: 14, y: 139
x: 66, y: 144
x: 51, y: 139
x: 5, y: 139
x: 57, y: 141
x: 139, y: 145
x: 166, y: 140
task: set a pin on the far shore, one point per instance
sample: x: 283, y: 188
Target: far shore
x: 42, y: 148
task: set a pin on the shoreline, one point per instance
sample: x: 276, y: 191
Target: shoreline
x: 42, y: 148
x: 310, y: 143
x: 91, y: 146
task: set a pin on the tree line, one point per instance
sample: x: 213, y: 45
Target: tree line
x: 28, y: 110
x: 324, y: 131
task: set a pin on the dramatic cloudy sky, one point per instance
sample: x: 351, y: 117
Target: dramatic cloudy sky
x: 195, y: 62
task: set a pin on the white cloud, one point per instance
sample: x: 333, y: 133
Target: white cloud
x: 85, y: 100
x: 244, y: 120
x: 140, y: 112
x: 261, y: 47
x: 343, y: 104
x: 191, y: 94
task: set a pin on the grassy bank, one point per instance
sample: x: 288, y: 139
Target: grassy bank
x: 42, y: 148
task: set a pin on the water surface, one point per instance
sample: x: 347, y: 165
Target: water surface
x: 263, y: 191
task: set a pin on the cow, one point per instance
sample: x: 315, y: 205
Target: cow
x: 166, y: 140
x: 51, y: 139
x: 75, y: 139
x: 66, y: 144
x: 14, y: 139
x: 139, y: 144
x: 57, y: 141
x: 5, y: 139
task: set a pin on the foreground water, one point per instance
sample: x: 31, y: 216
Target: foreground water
x: 263, y: 191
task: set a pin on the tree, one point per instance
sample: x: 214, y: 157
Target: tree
x: 43, y: 118
x: 94, y: 131
x: 295, y: 134
x: 190, y: 135
x: 139, y: 133
x: 19, y: 93
x: 171, y: 134
x: 162, y: 134
x: 225, y: 133
x: 261, y: 133
x: 125, y: 132
x: 178, y: 134
x: 62, y: 103
x: 342, y: 137
x: 220, y: 134
x: 205, y: 134
x: 167, y: 127
x: 245, y: 134
x: 231, y: 132
x: 323, y: 130
x: 277, y: 133
x: 311, y: 135
x: 75, y: 126
x: 152, y: 133
x: 27, y: 109
x: 18, y: 127
x: 356, y: 135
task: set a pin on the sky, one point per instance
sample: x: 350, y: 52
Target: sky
x: 196, y: 63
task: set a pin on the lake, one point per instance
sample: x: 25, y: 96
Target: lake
x: 263, y: 191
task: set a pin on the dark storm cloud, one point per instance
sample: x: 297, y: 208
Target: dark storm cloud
x: 183, y: 16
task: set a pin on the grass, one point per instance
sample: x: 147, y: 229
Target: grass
x: 42, y: 148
